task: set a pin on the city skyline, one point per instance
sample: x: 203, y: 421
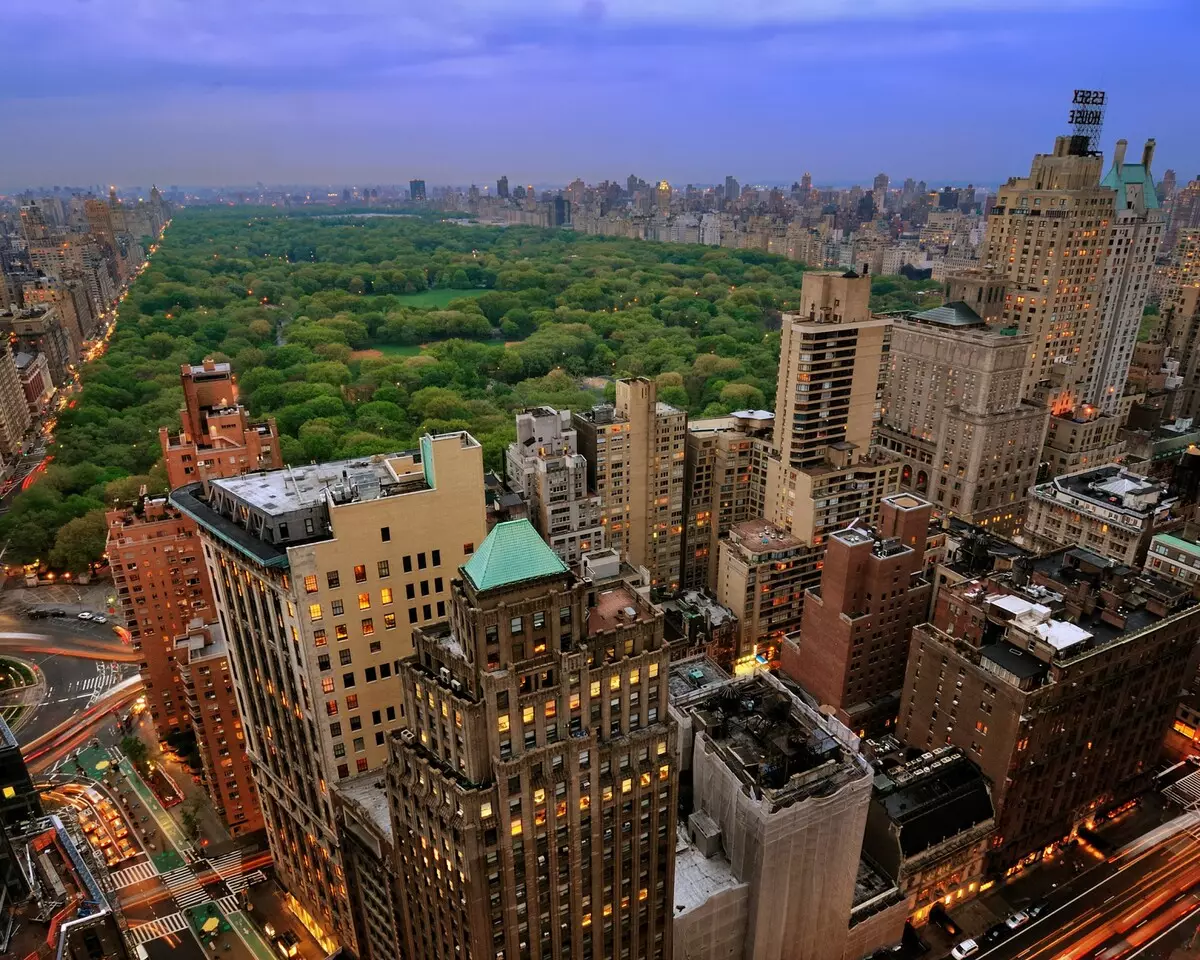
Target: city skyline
x: 236, y: 95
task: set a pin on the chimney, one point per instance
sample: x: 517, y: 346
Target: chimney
x: 1148, y: 154
x: 1119, y: 154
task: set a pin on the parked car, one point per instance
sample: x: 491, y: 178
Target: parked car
x: 84, y: 616
x: 996, y: 933
x: 1017, y: 920
x: 99, y: 619
x: 967, y: 948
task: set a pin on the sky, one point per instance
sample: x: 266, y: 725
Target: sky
x: 211, y: 92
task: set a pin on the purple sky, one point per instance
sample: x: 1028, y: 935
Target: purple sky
x: 378, y: 91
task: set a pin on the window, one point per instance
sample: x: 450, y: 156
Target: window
x: 333, y: 579
x: 385, y: 534
x: 341, y: 632
x: 421, y: 561
x: 323, y: 661
x: 361, y: 764
x: 319, y: 638
x: 344, y: 657
x: 516, y: 625
x: 376, y: 717
x: 426, y: 612
x: 310, y: 583
x: 441, y: 608
x: 339, y: 749
x: 539, y: 620
x: 424, y: 588
x: 364, y: 601
x: 337, y: 607
x: 376, y: 646
x: 653, y: 671
x: 343, y: 770
x: 385, y: 596
x: 352, y: 702
x: 468, y: 549
x: 314, y: 612
x: 360, y: 573
x: 369, y: 675
x: 327, y: 684
x: 368, y: 627
x: 410, y: 591
x: 335, y: 728
x: 384, y: 569
x: 389, y: 621
x: 502, y: 723
x: 437, y: 584
x: 437, y: 558
x: 331, y: 708
x: 412, y: 614
x: 391, y: 713
x: 408, y: 564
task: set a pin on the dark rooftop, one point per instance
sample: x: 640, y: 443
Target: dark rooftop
x: 1020, y: 663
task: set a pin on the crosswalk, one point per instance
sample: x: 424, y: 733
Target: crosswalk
x: 128, y: 876
x: 228, y: 905
x: 159, y: 927
x: 229, y: 869
x: 184, y: 887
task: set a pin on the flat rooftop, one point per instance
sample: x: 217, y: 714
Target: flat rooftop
x: 368, y: 792
x: 697, y: 877
x: 695, y: 675
x: 759, y: 536
x: 615, y: 607
x: 780, y: 749
x: 1112, y: 487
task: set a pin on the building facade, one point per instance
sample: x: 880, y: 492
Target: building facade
x: 320, y: 575
x: 538, y: 767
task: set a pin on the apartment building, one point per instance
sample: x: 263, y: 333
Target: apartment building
x: 15, y: 418
x: 544, y: 467
x: 1174, y: 557
x: 533, y: 794
x: 1059, y: 680
x: 320, y: 576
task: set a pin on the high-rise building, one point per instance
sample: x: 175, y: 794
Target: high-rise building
x: 539, y: 767
x: 1183, y: 267
x: 166, y: 596
x: 1180, y: 331
x: 416, y: 190
x: 635, y: 456
x: 879, y: 192
x: 725, y: 483
x: 662, y: 195
x: 502, y: 188
x: 15, y: 418
x: 821, y: 473
x: 852, y: 647
x: 545, y: 467
x: 1108, y: 510
x: 1184, y: 213
x: 1134, y: 237
x: 954, y: 416
x: 1059, y: 681
x: 320, y: 573
x: 732, y: 189
x: 1048, y: 237
x: 40, y: 329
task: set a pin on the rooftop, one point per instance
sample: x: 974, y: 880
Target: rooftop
x: 368, y: 792
x: 615, y: 607
x: 512, y: 553
x: 779, y: 748
x: 697, y: 877
x: 759, y: 536
x: 952, y: 314
x: 695, y: 675
x: 1178, y: 543
x: 1112, y: 487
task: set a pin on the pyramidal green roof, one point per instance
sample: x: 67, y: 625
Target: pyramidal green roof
x: 1119, y: 178
x: 512, y: 553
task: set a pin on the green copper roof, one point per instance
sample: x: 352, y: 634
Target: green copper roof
x: 952, y: 314
x: 512, y: 553
x: 1129, y: 173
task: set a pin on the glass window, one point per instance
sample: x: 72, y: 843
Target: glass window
x: 437, y: 558
x: 310, y: 583
x: 352, y: 702
x: 333, y: 579
x: 327, y: 684
x: 539, y: 620
x: 368, y: 627
x: 337, y: 607
x: 360, y: 573
x: 385, y: 534
x: 364, y: 601
x: 516, y: 625
x: 319, y: 638
x: 314, y: 612
x: 384, y: 569
x: 389, y: 621
x: 341, y: 632
x: 385, y: 596
x: 348, y: 679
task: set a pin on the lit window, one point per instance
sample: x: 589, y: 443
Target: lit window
x: 551, y: 708
x: 360, y: 574
x: 314, y: 612
x: 385, y: 596
x: 327, y: 684
x: 319, y: 638
x: 626, y: 784
x: 364, y: 601
x: 389, y: 621
x: 368, y: 627
x: 310, y: 583
x: 614, y: 682
x: 502, y: 723
x: 516, y: 828
x: 527, y: 715
x: 653, y: 671
x: 485, y: 810
x: 635, y: 676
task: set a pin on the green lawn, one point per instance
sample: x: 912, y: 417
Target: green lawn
x: 1148, y: 325
x: 398, y: 349
x: 439, y: 297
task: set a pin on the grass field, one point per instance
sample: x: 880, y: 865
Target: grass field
x: 1148, y: 325
x: 439, y: 297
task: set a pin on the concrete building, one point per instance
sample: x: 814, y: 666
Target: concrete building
x: 769, y: 868
x: 929, y: 826
x: 539, y: 765
x: 1134, y: 237
x: 1181, y: 333
x: 360, y: 806
x: 1059, y: 680
x: 694, y: 623
x: 545, y: 467
x: 725, y: 480
x: 1048, y: 237
x: 1108, y: 510
x: 635, y: 455
x: 19, y: 799
x: 953, y: 413
x: 35, y: 381
x: 319, y: 564
x: 1085, y: 437
x: 40, y: 330
x: 15, y: 418
x: 1174, y: 558
x: 852, y: 647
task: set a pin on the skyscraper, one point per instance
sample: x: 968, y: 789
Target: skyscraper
x: 635, y: 456
x: 732, y: 189
x: 1047, y: 236
x: 534, y: 792
x: 1135, y: 235
x: 416, y: 190
x: 879, y: 192
x: 15, y: 418
x: 662, y: 194
x: 502, y: 188
x: 320, y: 574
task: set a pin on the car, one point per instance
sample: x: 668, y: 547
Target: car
x: 967, y: 948
x: 99, y: 619
x: 84, y: 616
x: 1017, y: 920
x: 996, y: 933
x: 1035, y: 910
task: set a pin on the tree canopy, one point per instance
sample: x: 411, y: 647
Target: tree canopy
x: 359, y: 334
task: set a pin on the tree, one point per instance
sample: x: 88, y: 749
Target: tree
x: 80, y: 542
x: 136, y: 750
x: 189, y: 816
